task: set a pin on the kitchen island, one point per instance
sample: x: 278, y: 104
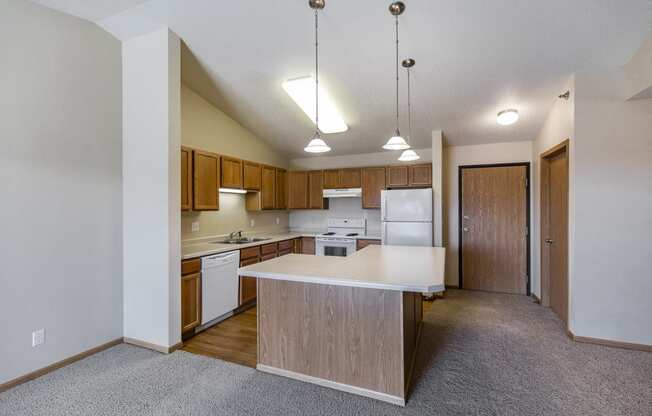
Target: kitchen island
x: 349, y: 323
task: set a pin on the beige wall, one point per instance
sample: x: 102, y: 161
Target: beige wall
x: 61, y: 170
x: 454, y: 157
x: 205, y: 127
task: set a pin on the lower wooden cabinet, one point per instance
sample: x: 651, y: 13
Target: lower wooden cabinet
x: 247, y: 290
x: 307, y: 245
x: 360, y: 244
x: 297, y: 246
x: 190, y: 294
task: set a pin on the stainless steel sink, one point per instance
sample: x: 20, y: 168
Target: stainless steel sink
x: 244, y: 240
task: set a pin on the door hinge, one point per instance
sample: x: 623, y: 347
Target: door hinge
x: 527, y: 277
x: 526, y: 182
x: 527, y: 231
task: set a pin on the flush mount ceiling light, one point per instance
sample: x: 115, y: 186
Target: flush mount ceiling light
x: 396, y: 142
x: 507, y: 117
x: 302, y: 91
x: 409, y: 154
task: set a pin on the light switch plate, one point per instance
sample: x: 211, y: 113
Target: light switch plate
x: 278, y: 220
x: 195, y: 226
x: 38, y: 337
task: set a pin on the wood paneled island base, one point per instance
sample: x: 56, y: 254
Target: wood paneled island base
x: 355, y: 339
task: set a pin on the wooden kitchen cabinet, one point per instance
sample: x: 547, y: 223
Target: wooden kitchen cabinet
x: 247, y: 289
x: 281, y: 189
x: 398, y: 176
x: 307, y: 245
x: 332, y: 179
x: 267, y: 249
x: 316, y: 190
x: 231, y: 173
x: 298, y: 190
x: 373, y: 181
x: 251, y: 174
x: 362, y: 243
x: 266, y: 198
x: 297, y: 246
x: 285, y: 247
x: 206, y: 180
x: 190, y: 294
x: 186, y: 178
x: 420, y: 175
x: 351, y: 178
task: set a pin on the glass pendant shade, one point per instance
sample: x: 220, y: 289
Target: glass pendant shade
x: 396, y: 142
x: 409, y: 155
x: 317, y: 145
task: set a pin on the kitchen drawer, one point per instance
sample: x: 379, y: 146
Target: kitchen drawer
x: 250, y: 252
x: 248, y: 262
x: 285, y: 252
x: 360, y: 244
x: 285, y: 245
x: 268, y: 249
x: 268, y: 256
x: 190, y: 266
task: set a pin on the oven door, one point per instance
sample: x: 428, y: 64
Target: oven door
x: 341, y: 247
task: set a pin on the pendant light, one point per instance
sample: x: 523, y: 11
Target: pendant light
x: 316, y: 144
x: 409, y: 155
x: 396, y: 142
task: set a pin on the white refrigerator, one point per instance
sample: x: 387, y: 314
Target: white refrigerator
x: 406, y: 216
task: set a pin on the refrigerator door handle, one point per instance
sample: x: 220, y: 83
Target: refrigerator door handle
x: 383, y: 205
x: 383, y: 233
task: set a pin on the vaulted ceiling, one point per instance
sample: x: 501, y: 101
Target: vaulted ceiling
x: 474, y: 58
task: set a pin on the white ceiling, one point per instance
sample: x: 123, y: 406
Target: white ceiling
x: 474, y: 58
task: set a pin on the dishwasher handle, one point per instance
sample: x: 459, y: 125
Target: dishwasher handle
x: 220, y: 260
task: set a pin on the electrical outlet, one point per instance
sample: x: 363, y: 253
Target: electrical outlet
x: 195, y: 226
x: 252, y: 223
x: 38, y: 337
x: 278, y: 220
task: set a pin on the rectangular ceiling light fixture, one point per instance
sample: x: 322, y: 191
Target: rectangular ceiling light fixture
x: 302, y: 91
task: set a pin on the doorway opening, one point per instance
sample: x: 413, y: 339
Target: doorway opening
x: 554, y: 230
x: 494, y: 219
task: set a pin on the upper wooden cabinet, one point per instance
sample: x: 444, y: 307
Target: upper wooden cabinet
x: 373, y: 181
x: 421, y: 175
x: 231, y: 172
x: 186, y: 178
x: 206, y: 180
x: 251, y: 173
x: 281, y: 189
x: 351, y: 178
x: 268, y: 187
x: 297, y: 190
x: 406, y: 176
x: 316, y: 190
x: 342, y: 178
x: 398, y: 176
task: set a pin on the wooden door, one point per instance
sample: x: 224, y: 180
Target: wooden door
x: 316, y: 189
x: 398, y: 176
x: 268, y: 187
x: 554, y: 230
x: 332, y: 179
x: 206, y: 180
x: 420, y: 175
x: 373, y: 181
x: 298, y: 190
x: 231, y: 172
x: 493, y: 204
x: 190, y: 301
x: 186, y: 179
x: 281, y: 189
x: 351, y: 178
x: 251, y: 176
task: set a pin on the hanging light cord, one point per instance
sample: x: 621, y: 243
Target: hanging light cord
x: 409, y: 107
x: 397, y: 130
x: 316, y: 73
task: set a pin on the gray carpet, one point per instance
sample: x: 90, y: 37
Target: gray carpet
x: 481, y: 354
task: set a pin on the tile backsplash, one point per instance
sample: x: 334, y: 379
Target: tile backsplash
x: 339, y: 208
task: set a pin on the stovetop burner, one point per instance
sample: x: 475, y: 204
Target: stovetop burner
x: 329, y: 233
x: 351, y: 234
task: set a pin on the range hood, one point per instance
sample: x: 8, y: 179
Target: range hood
x: 343, y: 193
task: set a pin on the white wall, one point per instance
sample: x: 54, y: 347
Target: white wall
x: 611, y: 281
x: 454, y: 157
x: 151, y: 141
x: 60, y: 164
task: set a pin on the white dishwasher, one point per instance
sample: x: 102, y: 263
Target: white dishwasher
x: 219, y: 284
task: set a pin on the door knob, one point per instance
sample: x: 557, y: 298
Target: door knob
x: 549, y: 241
x: 466, y: 229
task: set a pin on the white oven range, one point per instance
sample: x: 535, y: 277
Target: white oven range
x: 340, y: 240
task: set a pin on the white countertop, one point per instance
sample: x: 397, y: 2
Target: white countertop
x: 403, y: 268
x: 204, y: 247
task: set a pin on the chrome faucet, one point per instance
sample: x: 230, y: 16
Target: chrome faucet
x: 234, y: 233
